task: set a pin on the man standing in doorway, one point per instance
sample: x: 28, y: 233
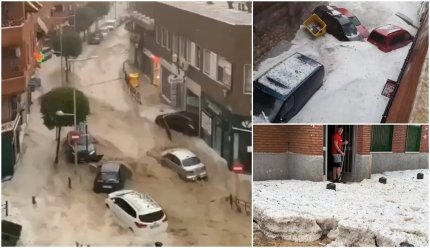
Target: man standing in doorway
x: 338, y: 153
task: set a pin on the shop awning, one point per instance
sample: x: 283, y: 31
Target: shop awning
x: 42, y: 25
x: 29, y: 6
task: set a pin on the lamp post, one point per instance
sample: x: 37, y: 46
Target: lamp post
x: 61, y: 113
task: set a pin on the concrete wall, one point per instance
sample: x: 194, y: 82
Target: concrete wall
x: 363, y: 167
x: 304, y: 167
x: 269, y: 166
x: 399, y: 161
x: 282, y: 166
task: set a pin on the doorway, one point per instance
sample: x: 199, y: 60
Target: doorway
x: 348, y: 159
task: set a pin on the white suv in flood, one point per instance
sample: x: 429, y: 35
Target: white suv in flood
x: 137, y: 212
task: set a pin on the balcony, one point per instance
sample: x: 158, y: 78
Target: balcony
x: 12, y: 32
x: 13, y: 76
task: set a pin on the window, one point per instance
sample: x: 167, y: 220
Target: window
x: 175, y: 44
x: 191, y: 161
x: 125, y: 206
x: 247, y: 78
x: 152, y: 217
x: 235, y: 146
x: 162, y: 37
x: 176, y: 160
x: 224, y: 71
x: 206, y: 61
x: 413, y: 138
x: 188, y: 52
x: 58, y: 8
x: 382, y: 138
x: 157, y: 35
x: 182, y: 47
x: 168, y: 40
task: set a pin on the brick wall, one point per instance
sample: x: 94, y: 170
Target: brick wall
x: 424, y: 145
x: 364, y: 136
x: 306, y: 140
x: 399, y: 138
x: 270, y: 138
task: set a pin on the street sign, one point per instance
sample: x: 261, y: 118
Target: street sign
x: 389, y: 88
x: 175, y: 79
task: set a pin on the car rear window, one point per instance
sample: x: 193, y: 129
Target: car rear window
x: 151, y: 217
x: 191, y: 161
x: 110, y: 176
x: 377, y: 37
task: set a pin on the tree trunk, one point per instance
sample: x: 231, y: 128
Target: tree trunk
x: 67, y: 69
x: 58, y: 144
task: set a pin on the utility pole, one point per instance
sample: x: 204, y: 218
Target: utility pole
x: 76, y: 128
x: 61, y: 53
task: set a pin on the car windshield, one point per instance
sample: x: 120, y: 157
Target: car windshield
x: 265, y: 106
x: 110, y: 176
x: 355, y: 21
x: 377, y: 37
x: 152, y: 217
x: 349, y: 29
x: 191, y: 161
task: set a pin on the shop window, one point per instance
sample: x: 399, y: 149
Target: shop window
x: 168, y: 40
x: 382, y: 138
x: 162, y: 37
x: 188, y: 52
x: 247, y: 78
x: 224, y: 71
x: 182, y: 47
x: 413, y: 138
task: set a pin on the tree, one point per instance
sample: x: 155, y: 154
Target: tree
x: 62, y: 99
x: 85, y: 17
x: 100, y: 8
x: 69, y: 45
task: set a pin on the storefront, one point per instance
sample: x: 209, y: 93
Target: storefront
x: 172, y: 85
x: 242, y: 142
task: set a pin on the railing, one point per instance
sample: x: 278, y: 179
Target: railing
x: 240, y: 205
x: 12, y: 68
x: 10, y: 23
x: 5, y: 208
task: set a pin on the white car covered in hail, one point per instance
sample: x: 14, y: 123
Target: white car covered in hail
x: 137, y: 212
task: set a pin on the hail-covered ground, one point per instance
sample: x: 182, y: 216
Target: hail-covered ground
x: 368, y: 213
x: 355, y: 72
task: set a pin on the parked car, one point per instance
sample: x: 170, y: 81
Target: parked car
x: 185, y: 163
x: 113, y: 23
x: 338, y: 25
x: 111, y: 177
x: 282, y: 91
x: 137, y: 211
x: 104, y: 31
x: 183, y: 122
x: 390, y: 37
x: 362, y: 31
x: 95, y: 38
x: 85, y: 147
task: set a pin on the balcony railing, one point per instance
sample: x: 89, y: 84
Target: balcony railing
x: 11, y: 68
x: 11, y: 23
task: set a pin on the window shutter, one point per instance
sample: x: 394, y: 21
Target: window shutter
x: 413, y: 138
x: 382, y: 138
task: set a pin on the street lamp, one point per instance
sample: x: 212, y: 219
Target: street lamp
x: 61, y: 113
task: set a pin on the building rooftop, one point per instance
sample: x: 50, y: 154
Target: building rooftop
x: 218, y: 11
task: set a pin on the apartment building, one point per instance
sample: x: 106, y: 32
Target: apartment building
x: 24, y: 25
x: 199, y: 55
x: 302, y: 152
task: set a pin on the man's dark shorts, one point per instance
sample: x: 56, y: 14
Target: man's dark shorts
x: 337, y: 159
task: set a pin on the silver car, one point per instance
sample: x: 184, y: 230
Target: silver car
x: 185, y: 163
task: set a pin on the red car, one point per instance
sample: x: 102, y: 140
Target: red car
x: 360, y: 28
x: 390, y: 37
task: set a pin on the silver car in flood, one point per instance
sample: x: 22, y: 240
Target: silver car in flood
x: 185, y: 163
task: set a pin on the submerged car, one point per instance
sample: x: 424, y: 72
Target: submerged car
x: 111, y: 177
x: 390, y: 37
x: 85, y: 147
x: 282, y: 91
x: 95, y: 38
x: 185, y: 163
x: 364, y: 33
x: 183, y: 122
x: 137, y: 212
x: 338, y: 25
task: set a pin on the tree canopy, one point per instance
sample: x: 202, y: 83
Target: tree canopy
x: 71, y: 43
x: 101, y: 8
x: 62, y: 99
x: 85, y: 16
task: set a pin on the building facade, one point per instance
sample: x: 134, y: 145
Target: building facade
x: 303, y: 152
x: 199, y: 55
x: 24, y: 25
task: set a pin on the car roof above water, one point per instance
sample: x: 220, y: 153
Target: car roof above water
x: 286, y: 76
x: 110, y: 167
x: 142, y: 202
x: 181, y: 153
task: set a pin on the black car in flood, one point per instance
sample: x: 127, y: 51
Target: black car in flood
x: 282, y: 91
x: 338, y: 25
x: 85, y: 146
x: 110, y: 177
x: 182, y: 121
